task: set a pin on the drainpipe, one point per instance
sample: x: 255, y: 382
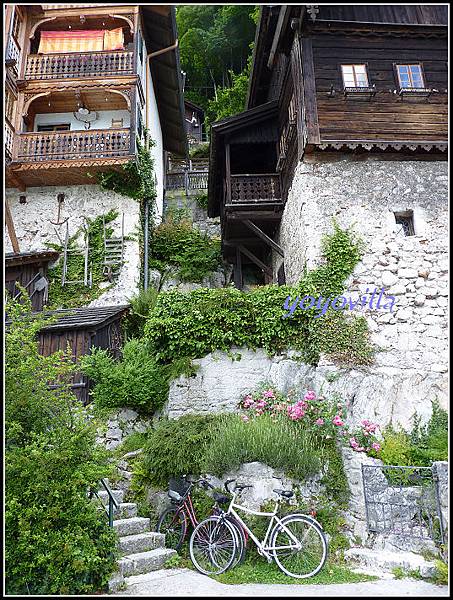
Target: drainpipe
x: 146, y: 236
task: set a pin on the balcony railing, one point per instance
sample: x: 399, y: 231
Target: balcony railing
x: 68, y: 145
x: 255, y: 188
x: 9, y: 137
x: 81, y: 64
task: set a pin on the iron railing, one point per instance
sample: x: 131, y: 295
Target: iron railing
x: 402, y: 500
x: 112, y: 504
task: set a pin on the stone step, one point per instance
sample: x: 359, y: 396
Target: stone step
x: 131, y: 526
x: 117, y: 494
x: 141, y: 542
x: 144, y: 562
x: 126, y: 510
x: 379, y: 560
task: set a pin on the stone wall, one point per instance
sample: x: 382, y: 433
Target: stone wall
x: 385, y: 394
x: 365, y: 192
x: 34, y: 229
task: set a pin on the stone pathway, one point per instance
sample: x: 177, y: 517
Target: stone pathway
x: 184, y: 582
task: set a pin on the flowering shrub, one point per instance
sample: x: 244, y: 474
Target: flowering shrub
x: 326, y: 418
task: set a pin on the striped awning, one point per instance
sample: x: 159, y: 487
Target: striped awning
x: 53, y: 42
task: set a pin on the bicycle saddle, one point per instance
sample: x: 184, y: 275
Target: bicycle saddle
x: 220, y: 498
x: 174, y: 495
x: 284, y: 493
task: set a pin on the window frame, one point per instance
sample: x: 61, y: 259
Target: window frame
x: 410, y: 64
x: 353, y: 65
x: 55, y: 128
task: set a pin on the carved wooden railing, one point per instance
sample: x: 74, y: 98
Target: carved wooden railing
x: 80, y: 64
x: 255, y: 188
x: 189, y: 180
x: 13, y: 53
x: 67, y: 145
x: 8, y: 141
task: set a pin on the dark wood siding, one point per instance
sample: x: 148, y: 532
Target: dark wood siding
x: 23, y: 274
x: 387, y: 116
x: 386, y: 13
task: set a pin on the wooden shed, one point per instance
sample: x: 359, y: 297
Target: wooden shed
x: 29, y: 269
x: 84, y: 329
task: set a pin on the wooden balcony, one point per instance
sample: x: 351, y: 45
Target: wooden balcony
x: 79, y: 65
x: 254, y: 189
x: 67, y: 157
x: 67, y: 145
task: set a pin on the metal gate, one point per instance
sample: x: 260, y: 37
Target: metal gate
x: 402, y: 501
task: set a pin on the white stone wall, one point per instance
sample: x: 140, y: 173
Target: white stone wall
x: 385, y: 395
x: 366, y: 192
x: 34, y: 229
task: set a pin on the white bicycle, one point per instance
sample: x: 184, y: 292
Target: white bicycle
x: 296, y: 541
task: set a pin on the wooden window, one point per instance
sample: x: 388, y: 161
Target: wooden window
x: 354, y: 76
x: 410, y: 76
x: 117, y: 123
x: 61, y: 127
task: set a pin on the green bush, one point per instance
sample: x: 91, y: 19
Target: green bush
x: 395, y: 448
x: 201, y: 151
x: 196, y: 323
x: 441, y: 575
x: 137, y: 381
x: 272, y: 440
x: 141, y: 306
x: 57, y: 542
x: 178, y: 244
x: 202, y: 201
x: 177, y: 447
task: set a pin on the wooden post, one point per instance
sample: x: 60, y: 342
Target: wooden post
x: 228, y: 172
x: 11, y: 229
x: 238, y: 270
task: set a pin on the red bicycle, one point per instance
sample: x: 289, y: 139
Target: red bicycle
x: 174, y: 521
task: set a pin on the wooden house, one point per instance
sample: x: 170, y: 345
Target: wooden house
x: 358, y: 79
x: 194, y: 117
x: 29, y: 269
x: 83, y: 329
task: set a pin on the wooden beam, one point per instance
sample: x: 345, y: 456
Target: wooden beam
x: 309, y: 91
x: 264, y: 215
x: 281, y: 24
x: 11, y: 229
x: 238, y: 270
x: 256, y: 260
x: 260, y: 233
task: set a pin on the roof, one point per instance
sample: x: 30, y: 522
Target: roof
x: 193, y: 106
x: 20, y: 258
x: 229, y: 125
x: 84, y: 318
x: 160, y: 32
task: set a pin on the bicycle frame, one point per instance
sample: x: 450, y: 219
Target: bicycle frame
x: 263, y: 546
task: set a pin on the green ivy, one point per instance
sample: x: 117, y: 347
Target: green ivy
x: 176, y: 243
x: 196, y: 323
x: 75, y: 295
x: 202, y: 201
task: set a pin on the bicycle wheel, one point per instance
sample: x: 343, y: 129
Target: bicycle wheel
x: 242, y: 541
x: 173, y: 523
x: 299, y: 546
x: 213, y: 546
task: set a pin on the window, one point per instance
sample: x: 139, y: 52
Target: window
x: 410, y: 76
x: 62, y: 127
x: 354, y: 76
x: 9, y: 105
x: 405, y: 222
x: 117, y: 123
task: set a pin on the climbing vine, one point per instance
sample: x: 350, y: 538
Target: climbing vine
x: 199, y: 322
x: 75, y: 295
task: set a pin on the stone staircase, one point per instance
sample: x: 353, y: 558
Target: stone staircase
x: 379, y: 562
x: 142, y: 550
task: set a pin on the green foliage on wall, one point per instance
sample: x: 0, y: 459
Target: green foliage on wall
x: 202, y: 201
x: 177, y: 447
x: 196, y: 323
x: 176, y: 243
x: 57, y: 542
x: 422, y: 446
x: 75, y: 295
x: 200, y: 151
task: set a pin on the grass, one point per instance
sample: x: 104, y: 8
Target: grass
x: 260, y: 571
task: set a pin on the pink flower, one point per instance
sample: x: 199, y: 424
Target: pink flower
x: 261, y: 404
x: 245, y: 418
x: 259, y: 411
x: 337, y: 420
x: 353, y: 443
x: 339, y: 405
x: 376, y: 446
x: 319, y: 422
x: 247, y: 403
x: 310, y: 395
x: 269, y: 394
